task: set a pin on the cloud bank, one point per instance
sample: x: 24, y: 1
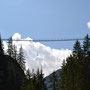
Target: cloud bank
x: 40, y: 56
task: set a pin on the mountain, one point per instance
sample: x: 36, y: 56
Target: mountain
x: 57, y: 73
x: 11, y: 75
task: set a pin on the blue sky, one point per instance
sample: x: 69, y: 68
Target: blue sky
x: 45, y: 19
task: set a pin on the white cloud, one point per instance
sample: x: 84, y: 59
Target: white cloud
x: 40, y: 56
x: 88, y: 24
x: 16, y: 36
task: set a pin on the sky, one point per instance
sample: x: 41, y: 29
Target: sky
x: 45, y: 19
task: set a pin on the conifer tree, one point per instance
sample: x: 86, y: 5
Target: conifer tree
x: 77, y: 51
x: 86, y: 46
x: 75, y: 73
x: 34, y: 80
x: 61, y: 82
x: 43, y: 86
x: 40, y: 80
x: 21, y: 58
x: 1, y: 46
x: 14, y: 52
x: 10, y: 47
x: 30, y: 84
x: 53, y: 80
x: 86, y: 49
x: 28, y: 74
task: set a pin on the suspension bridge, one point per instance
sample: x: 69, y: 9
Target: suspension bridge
x: 45, y: 40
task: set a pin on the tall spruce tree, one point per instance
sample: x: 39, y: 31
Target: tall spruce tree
x: 1, y: 46
x: 29, y: 77
x: 61, y: 82
x: 34, y: 80
x: 43, y: 85
x: 86, y: 46
x: 53, y: 81
x: 21, y: 58
x: 40, y: 80
x: 86, y: 49
x: 14, y: 55
x: 75, y: 74
x: 28, y: 74
x: 10, y: 47
x: 77, y: 51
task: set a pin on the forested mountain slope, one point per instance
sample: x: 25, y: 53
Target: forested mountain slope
x: 11, y: 75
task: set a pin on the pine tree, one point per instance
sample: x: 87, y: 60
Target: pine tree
x: 10, y: 47
x: 53, y: 81
x: 28, y: 74
x: 30, y: 84
x: 34, y: 80
x: 38, y: 84
x: 86, y: 46
x: 14, y: 52
x: 40, y: 80
x: 43, y: 86
x: 21, y: 58
x: 86, y: 49
x: 1, y: 46
x: 77, y: 51
x: 75, y: 73
x: 61, y: 82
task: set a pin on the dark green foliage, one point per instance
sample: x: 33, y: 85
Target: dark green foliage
x: 75, y: 73
x: 86, y: 49
x: 77, y: 51
x: 28, y: 74
x: 11, y: 75
x: 23, y: 84
x: 35, y: 81
x: 1, y: 46
x: 21, y: 58
x: 10, y: 47
x: 12, y: 67
x: 86, y: 46
x: 14, y: 52
x: 3, y: 72
x: 53, y: 81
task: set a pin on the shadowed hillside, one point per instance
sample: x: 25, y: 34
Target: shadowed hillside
x: 11, y: 75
